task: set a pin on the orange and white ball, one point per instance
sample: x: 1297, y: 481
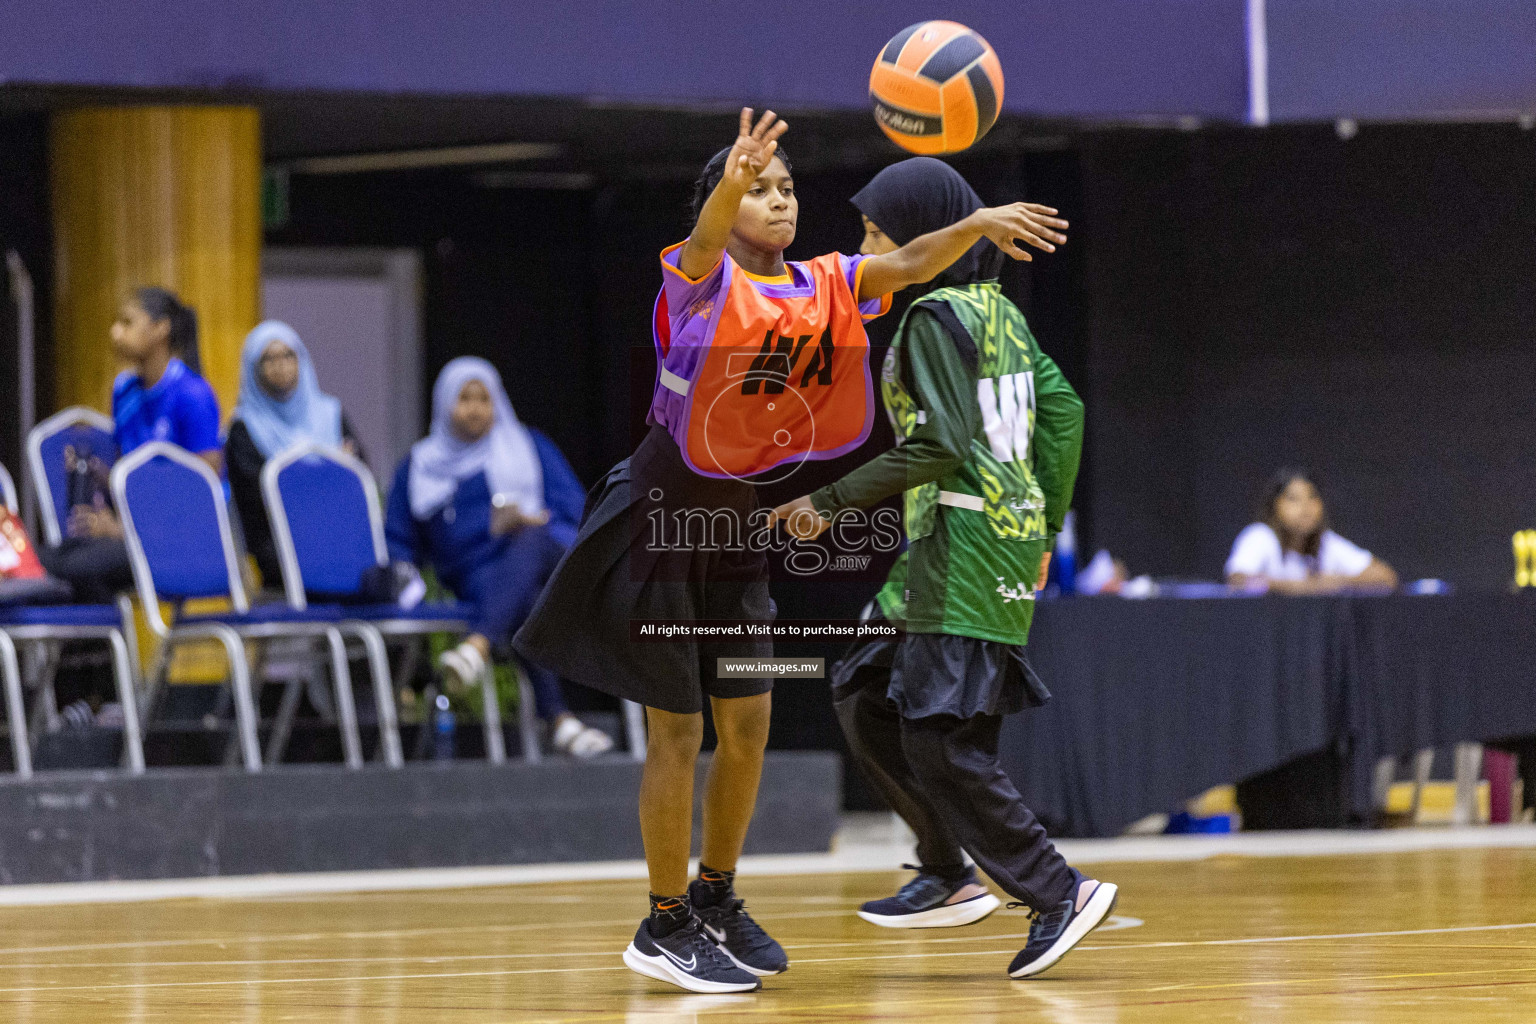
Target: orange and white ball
x: 936, y: 87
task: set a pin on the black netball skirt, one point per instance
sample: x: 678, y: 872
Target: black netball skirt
x: 927, y: 674
x: 657, y: 543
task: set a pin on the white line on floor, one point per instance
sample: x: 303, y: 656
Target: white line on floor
x: 1114, y: 924
x: 852, y: 858
x: 225, y: 982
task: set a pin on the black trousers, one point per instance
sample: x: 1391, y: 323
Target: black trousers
x: 941, y: 774
x: 96, y: 567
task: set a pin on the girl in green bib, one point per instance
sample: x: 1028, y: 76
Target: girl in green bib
x: 988, y: 434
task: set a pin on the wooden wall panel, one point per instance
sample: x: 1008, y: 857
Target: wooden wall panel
x: 165, y: 196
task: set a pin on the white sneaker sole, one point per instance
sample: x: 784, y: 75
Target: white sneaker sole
x: 951, y: 916
x: 1100, y: 905
x: 659, y: 968
x: 747, y: 967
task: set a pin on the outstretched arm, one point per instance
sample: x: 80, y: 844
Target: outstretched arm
x: 1377, y: 574
x: 945, y: 388
x: 748, y: 158
x: 926, y: 256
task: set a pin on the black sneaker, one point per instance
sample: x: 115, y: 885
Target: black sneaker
x: 688, y: 959
x: 932, y: 901
x: 1055, y: 932
x: 738, y: 936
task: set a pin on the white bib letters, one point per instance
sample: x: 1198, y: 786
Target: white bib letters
x: 1007, y: 414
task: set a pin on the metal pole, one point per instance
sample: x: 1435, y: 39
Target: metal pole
x: 26, y: 372
x: 1258, y: 64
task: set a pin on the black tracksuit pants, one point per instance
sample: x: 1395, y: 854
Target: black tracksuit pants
x: 941, y: 774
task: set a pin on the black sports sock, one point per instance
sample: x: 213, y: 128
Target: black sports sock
x: 951, y: 873
x: 715, y: 886
x: 669, y: 913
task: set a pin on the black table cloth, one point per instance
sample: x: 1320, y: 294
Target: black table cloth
x: 1158, y: 700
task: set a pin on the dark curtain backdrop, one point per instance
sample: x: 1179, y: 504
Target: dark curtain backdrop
x: 1364, y: 307
x: 24, y: 227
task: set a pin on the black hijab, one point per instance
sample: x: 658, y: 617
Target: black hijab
x: 921, y: 195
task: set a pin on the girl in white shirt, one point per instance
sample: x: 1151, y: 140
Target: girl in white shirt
x: 1292, y: 551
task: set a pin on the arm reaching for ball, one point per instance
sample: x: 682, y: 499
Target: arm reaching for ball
x: 926, y: 256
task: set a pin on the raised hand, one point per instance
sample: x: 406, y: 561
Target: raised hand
x: 1031, y: 223
x: 926, y: 255
x: 754, y: 148
x: 800, y: 519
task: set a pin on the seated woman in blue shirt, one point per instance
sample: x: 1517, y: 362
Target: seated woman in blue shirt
x: 160, y: 397
x: 492, y: 505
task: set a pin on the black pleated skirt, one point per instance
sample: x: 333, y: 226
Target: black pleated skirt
x: 942, y: 674
x: 630, y: 564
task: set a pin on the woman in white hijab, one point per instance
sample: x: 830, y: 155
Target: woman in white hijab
x: 491, y: 504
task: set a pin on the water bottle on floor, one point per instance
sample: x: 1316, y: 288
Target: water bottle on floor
x: 1065, y: 555
x: 443, y: 725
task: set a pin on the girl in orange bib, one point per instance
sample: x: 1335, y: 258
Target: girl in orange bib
x: 762, y: 365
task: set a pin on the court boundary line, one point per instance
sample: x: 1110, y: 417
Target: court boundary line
x: 924, y: 954
x: 885, y: 857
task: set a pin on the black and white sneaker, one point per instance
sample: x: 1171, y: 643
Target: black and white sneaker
x: 688, y: 959
x: 932, y: 901
x: 1055, y: 932
x: 739, y: 937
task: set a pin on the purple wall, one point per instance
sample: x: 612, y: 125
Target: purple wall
x: 1069, y: 58
x: 1088, y: 58
x: 1401, y: 58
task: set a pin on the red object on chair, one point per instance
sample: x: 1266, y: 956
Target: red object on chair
x: 18, y: 558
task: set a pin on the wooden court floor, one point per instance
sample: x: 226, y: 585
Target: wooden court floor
x: 1442, y: 936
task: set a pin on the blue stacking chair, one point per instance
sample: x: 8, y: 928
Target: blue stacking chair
x: 76, y: 426
x: 52, y: 624
x: 181, y: 546
x: 329, y: 529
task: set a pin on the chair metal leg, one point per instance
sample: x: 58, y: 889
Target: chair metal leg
x: 495, y: 746
x: 154, y: 682
x: 634, y: 729
x: 527, y: 717
x: 15, y: 708
x: 45, y: 713
x: 131, y: 639
x: 245, y: 706
x: 1381, y: 782
x: 127, y: 696
x: 239, y: 681
x: 1423, y: 764
x: 383, y: 690
x: 1469, y: 765
x: 346, y: 707
x: 282, y: 724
